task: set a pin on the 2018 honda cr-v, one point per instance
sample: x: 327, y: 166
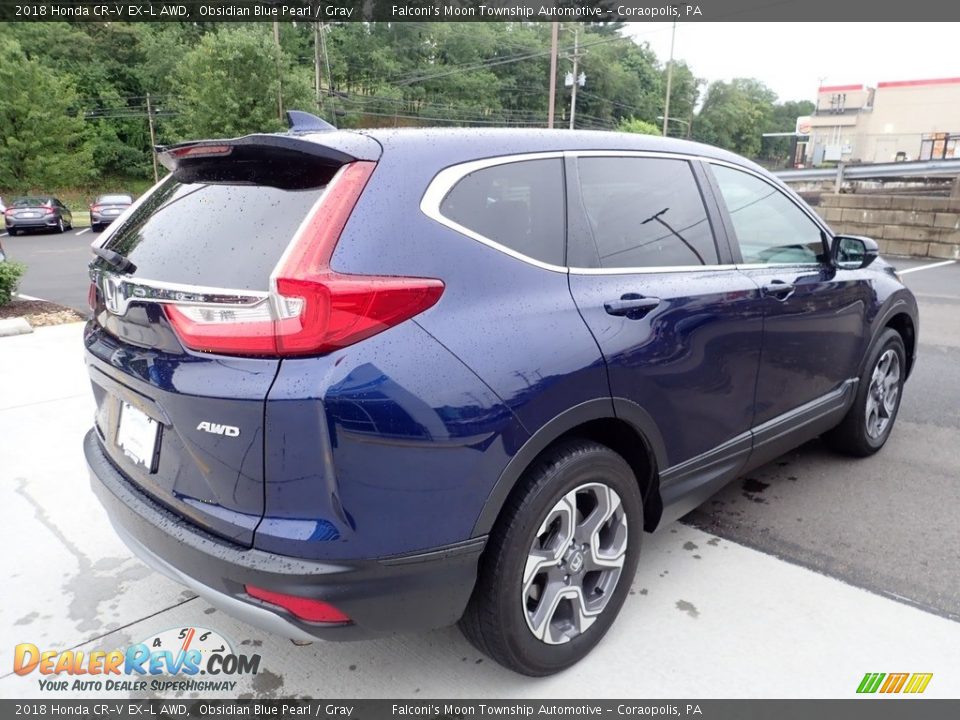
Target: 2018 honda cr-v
x: 353, y: 383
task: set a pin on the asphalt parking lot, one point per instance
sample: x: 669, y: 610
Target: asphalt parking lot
x: 792, y: 582
x: 56, y: 264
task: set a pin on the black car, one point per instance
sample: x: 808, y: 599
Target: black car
x: 37, y: 213
x: 106, y: 208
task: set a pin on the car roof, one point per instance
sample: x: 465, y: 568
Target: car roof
x: 488, y: 142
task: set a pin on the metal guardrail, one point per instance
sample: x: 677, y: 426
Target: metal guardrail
x: 879, y: 171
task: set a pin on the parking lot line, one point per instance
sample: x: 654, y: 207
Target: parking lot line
x: 29, y: 297
x: 4, y: 234
x: 83, y: 231
x: 931, y: 266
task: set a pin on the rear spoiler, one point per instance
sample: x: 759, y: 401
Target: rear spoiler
x: 309, y: 137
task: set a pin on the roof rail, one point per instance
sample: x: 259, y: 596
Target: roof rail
x: 299, y: 121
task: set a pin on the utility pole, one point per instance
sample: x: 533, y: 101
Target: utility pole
x: 576, y: 60
x: 666, y: 101
x: 554, y: 32
x: 153, y: 139
x: 316, y: 62
x: 326, y: 60
x: 276, y: 41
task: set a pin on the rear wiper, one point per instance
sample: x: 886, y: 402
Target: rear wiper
x: 115, y: 260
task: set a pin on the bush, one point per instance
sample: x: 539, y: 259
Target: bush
x: 636, y: 125
x: 10, y: 273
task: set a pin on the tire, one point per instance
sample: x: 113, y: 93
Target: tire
x: 504, y: 618
x: 60, y: 226
x: 867, y: 425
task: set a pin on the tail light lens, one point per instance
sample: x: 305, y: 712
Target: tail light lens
x: 94, y: 208
x: 304, y: 608
x: 47, y: 210
x: 312, y: 308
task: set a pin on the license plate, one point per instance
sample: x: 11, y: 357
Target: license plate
x: 111, y: 212
x: 29, y: 215
x: 137, y: 435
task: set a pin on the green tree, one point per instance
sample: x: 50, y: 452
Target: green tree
x: 735, y: 114
x: 635, y: 125
x: 228, y: 84
x: 43, y: 141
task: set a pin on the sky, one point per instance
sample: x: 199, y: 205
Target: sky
x: 794, y: 58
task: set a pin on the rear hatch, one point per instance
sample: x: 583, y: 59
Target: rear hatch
x: 182, y: 347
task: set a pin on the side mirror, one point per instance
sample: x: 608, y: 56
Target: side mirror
x: 852, y: 252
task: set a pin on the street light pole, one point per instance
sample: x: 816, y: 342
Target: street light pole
x: 666, y: 101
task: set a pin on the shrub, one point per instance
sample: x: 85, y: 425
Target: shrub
x: 10, y: 273
x: 636, y: 125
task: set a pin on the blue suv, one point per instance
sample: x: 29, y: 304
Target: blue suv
x: 356, y: 383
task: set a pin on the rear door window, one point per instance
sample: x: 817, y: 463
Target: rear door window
x: 519, y: 205
x: 644, y: 212
x: 213, y: 235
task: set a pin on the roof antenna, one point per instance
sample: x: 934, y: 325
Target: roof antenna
x: 299, y: 121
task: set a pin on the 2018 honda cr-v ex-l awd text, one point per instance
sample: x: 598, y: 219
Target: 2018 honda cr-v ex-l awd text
x: 351, y: 383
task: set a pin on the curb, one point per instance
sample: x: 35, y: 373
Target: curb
x: 15, y: 326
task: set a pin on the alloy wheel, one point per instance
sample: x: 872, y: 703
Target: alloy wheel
x: 883, y: 393
x: 574, y: 564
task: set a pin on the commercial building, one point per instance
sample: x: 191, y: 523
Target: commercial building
x: 900, y: 120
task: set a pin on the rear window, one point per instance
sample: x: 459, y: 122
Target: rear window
x: 30, y: 202
x: 215, y: 235
x: 115, y: 200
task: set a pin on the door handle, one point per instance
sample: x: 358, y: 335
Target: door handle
x: 631, y: 305
x: 778, y: 289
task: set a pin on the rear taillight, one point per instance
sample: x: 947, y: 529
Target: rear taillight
x: 92, y: 296
x: 9, y: 211
x: 304, y: 608
x: 311, y: 308
x: 47, y: 210
x: 94, y: 208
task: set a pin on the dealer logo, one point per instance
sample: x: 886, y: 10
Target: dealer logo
x: 172, y: 660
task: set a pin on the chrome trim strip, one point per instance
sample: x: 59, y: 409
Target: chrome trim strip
x: 650, y: 270
x: 120, y: 291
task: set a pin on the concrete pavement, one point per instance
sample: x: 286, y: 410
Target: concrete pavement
x: 707, y: 617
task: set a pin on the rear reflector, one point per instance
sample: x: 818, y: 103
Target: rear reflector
x: 304, y: 608
x: 312, y: 308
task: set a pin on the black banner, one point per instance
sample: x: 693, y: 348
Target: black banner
x: 475, y: 10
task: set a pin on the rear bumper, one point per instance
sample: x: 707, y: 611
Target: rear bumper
x: 407, y: 593
x: 98, y: 219
x: 31, y: 223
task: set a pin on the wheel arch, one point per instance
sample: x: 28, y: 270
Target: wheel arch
x: 905, y: 326
x: 618, y: 423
